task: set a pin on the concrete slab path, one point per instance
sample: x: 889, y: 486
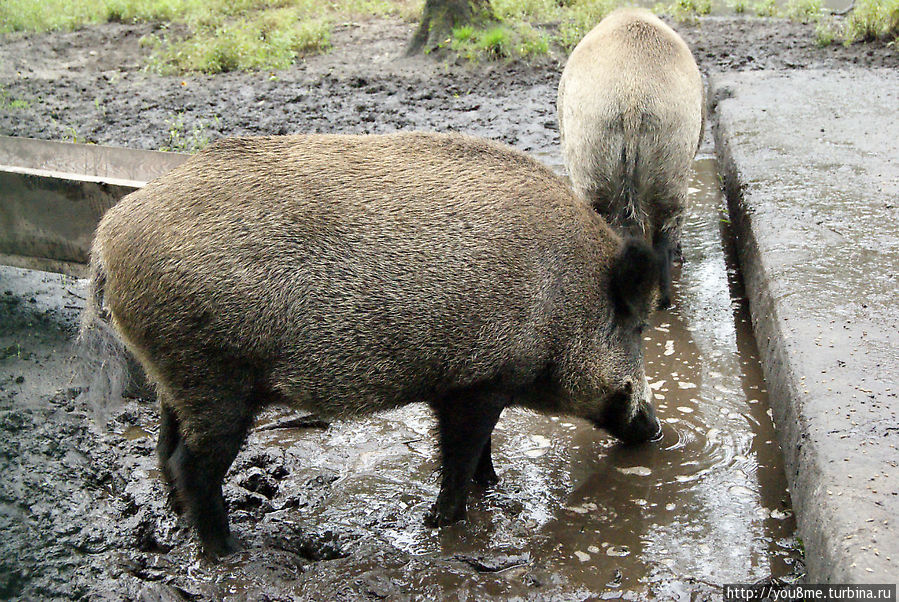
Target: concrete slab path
x: 810, y: 160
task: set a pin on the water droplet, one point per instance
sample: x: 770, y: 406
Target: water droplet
x: 618, y: 551
x: 740, y: 490
x: 640, y: 471
x: 540, y: 440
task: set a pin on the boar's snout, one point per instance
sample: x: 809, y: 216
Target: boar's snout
x: 631, y: 426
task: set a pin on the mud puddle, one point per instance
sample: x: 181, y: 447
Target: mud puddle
x: 336, y: 512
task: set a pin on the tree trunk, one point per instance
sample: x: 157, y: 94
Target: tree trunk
x: 439, y: 17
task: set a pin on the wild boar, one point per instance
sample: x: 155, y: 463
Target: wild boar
x: 631, y: 113
x: 352, y: 274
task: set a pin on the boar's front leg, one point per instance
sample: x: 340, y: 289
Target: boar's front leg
x: 464, y: 423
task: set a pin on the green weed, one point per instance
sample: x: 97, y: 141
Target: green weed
x: 872, y: 20
x: 685, y: 10
x: 7, y: 103
x: 765, y: 8
x: 494, y: 42
x: 580, y: 17
x: 499, y: 42
x: 825, y: 32
x: 186, y: 141
x: 463, y: 34
x: 804, y: 11
x: 273, y: 40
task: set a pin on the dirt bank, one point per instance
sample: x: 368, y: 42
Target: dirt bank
x: 89, y: 86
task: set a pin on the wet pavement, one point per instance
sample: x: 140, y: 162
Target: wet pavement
x: 813, y: 187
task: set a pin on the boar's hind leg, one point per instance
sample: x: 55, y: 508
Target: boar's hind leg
x: 484, y: 474
x: 168, y: 438
x: 464, y: 423
x: 665, y: 251
x: 211, y: 433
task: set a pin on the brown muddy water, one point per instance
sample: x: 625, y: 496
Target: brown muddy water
x: 337, y: 512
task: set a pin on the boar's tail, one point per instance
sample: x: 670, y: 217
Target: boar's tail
x: 103, y: 368
x: 631, y: 217
x: 629, y: 166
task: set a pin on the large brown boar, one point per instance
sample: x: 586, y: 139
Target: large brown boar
x: 631, y: 112
x: 352, y: 274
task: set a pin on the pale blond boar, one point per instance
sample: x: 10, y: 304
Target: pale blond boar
x: 631, y: 113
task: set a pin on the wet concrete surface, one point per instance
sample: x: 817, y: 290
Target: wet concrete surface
x: 336, y: 513
x: 813, y: 187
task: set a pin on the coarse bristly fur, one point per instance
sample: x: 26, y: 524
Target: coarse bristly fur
x: 102, y: 368
x: 631, y: 113
x: 352, y: 274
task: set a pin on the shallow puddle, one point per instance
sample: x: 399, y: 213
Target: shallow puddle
x: 574, y: 512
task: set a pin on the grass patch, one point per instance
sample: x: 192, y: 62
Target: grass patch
x: 184, y: 141
x: 579, y: 17
x: 499, y: 42
x: 8, y: 103
x: 213, y: 36
x: 270, y: 41
x: 495, y: 42
x: 685, y: 10
x: 29, y: 15
x: 825, y: 32
x: 804, y: 11
x: 872, y: 20
x: 765, y: 8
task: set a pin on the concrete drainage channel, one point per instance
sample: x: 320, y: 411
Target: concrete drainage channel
x: 813, y: 188
x: 573, y: 514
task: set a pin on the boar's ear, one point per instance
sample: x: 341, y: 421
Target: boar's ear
x: 633, y: 280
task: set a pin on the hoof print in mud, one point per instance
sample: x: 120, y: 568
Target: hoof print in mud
x: 249, y: 501
x: 258, y: 481
x: 309, y: 546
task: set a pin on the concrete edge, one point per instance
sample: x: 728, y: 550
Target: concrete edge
x: 824, y: 561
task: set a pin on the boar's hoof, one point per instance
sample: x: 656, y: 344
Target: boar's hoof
x: 215, y: 548
x: 664, y: 301
x: 486, y: 477
x: 441, y: 517
x: 484, y: 473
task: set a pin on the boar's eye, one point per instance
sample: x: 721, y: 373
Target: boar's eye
x: 641, y: 327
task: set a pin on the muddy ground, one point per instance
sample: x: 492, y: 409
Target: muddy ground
x: 82, y: 511
x: 90, y: 86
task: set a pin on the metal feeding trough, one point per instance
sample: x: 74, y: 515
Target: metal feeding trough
x: 53, y: 194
